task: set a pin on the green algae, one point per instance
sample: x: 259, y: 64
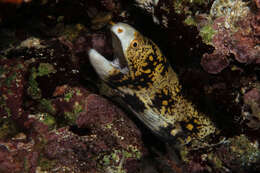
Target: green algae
x: 133, y: 152
x: 47, y: 106
x: 184, y: 152
x: 113, y: 161
x: 207, y: 33
x: 71, y: 117
x: 190, y: 21
x: 44, y: 69
x: 78, y: 92
x: 47, y: 119
x: 33, y: 90
x: 68, y: 96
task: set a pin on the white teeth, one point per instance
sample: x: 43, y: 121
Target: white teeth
x: 115, y: 63
x: 124, y: 70
x: 102, y: 66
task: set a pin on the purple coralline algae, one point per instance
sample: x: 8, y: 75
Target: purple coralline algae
x: 236, y: 29
x: 54, y: 119
x: 252, y: 100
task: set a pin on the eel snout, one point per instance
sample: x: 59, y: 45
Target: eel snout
x: 122, y: 36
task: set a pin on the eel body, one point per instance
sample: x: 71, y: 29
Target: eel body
x: 148, y: 85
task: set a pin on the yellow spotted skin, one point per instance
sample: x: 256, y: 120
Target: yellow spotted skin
x: 152, y: 85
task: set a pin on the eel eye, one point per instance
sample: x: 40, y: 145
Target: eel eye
x: 134, y: 43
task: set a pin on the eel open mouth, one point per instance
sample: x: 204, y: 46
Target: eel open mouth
x: 122, y: 36
x: 119, y: 60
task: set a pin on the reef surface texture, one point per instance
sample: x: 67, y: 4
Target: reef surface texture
x: 57, y: 115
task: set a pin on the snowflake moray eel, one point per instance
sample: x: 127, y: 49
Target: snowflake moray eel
x: 148, y: 85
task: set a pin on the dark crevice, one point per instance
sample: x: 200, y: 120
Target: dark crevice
x: 80, y: 131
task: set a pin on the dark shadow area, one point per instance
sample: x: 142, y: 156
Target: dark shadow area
x: 80, y: 131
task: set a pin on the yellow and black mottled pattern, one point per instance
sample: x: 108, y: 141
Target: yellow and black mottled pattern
x: 151, y: 85
x: 144, y: 65
x: 163, y: 100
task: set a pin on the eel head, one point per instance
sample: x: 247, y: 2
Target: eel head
x: 149, y: 87
x: 137, y: 68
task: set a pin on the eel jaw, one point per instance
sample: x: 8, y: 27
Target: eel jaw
x: 122, y: 36
x: 102, y: 66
